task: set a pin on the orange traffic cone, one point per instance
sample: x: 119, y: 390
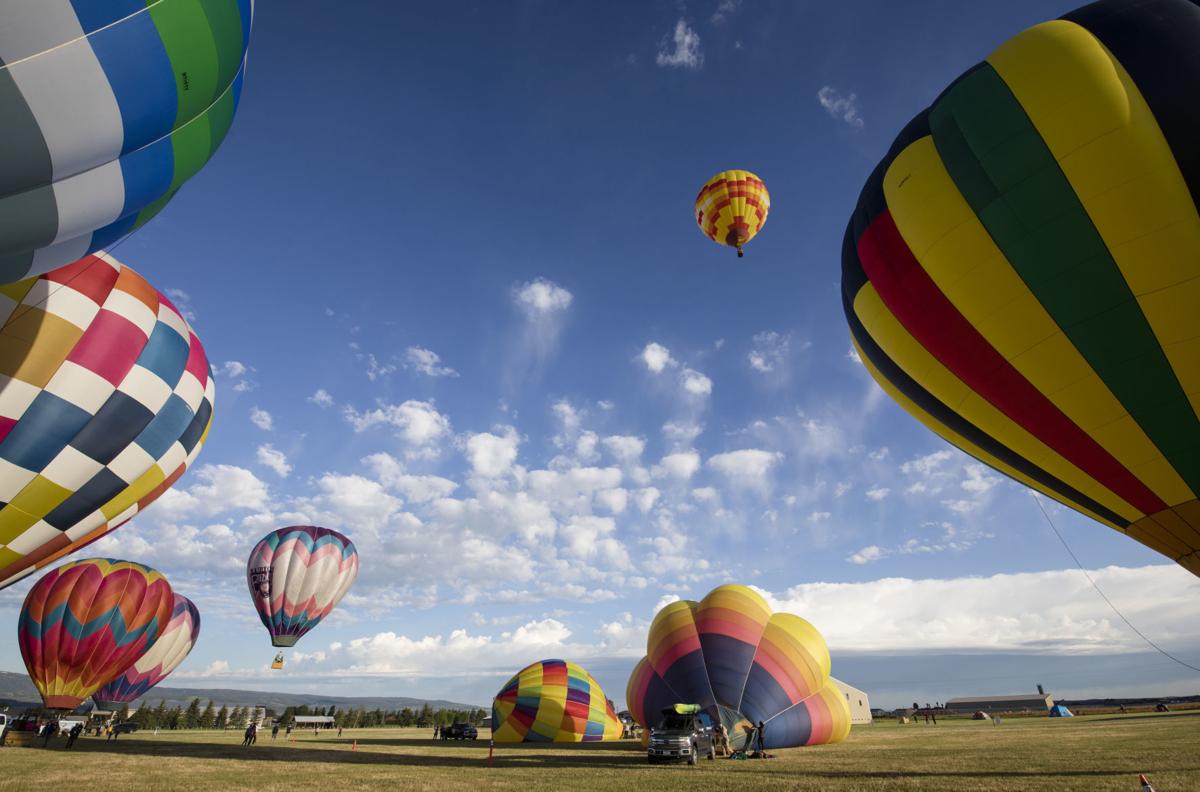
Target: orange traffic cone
x: 354, y: 747
x: 1145, y: 784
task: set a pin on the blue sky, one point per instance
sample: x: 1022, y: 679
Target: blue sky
x: 447, y: 271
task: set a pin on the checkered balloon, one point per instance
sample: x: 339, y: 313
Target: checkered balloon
x: 106, y: 397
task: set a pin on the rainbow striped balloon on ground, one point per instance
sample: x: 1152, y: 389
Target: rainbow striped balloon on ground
x: 297, y: 576
x: 106, y: 398
x: 106, y: 108
x: 743, y: 664
x: 553, y: 701
x: 732, y: 207
x: 1022, y: 272
x: 173, y: 645
x: 87, y: 621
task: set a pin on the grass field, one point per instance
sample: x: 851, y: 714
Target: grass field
x: 1092, y: 753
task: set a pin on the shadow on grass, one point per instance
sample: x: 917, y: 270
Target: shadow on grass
x: 1134, y: 718
x: 339, y: 751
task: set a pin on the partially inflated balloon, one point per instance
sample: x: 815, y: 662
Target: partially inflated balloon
x: 106, y: 108
x: 87, y: 621
x: 296, y: 577
x: 1022, y: 272
x: 729, y: 654
x: 553, y: 701
x: 732, y: 208
x: 105, y: 399
x: 173, y: 644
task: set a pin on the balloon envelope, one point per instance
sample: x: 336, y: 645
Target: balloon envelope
x: 742, y: 664
x: 296, y: 577
x: 732, y: 207
x: 174, y: 643
x: 1022, y: 272
x: 105, y: 400
x: 106, y: 108
x: 553, y: 701
x: 87, y: 621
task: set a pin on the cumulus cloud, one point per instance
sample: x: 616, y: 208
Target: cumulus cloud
x: 866, y: 555
x: 656, y: 357
x: 747, y: 469
x: 427, y: 362
x: 725, y: 9
x: 878, y: 493
x: 682, y: 465
x: 269, y: 456
x: 681, y: 50
x: 417, y: 423
x: 695, y: 383
x: 840, y: 106
x: 262, y: 419
x: 321, y: 398
x: 769, y: 351
x: 492, y: 455
x: 390, y: 472
x: 625, y: 448
x: 541, y: 298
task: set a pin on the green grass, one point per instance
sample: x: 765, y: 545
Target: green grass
x: 1083, y: 753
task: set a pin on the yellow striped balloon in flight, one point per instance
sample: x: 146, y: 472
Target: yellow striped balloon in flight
x: 1022, y: 272
x: 732, y: 208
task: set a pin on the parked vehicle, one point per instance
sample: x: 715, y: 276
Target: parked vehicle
x: 684, y: 734
x: 460, y: 731
x: 129, y: 727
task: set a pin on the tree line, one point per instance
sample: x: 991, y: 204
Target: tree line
x: 209, y: 716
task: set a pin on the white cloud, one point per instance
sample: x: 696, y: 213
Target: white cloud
x: 978, y: 480
x: 625, y: 448
x: 853, y: 355
x: 682, y: 465
x: 262, y: 419
x: 867, y: 555
x: 695, y: 383
x: 416, y: 489
x: 321, y: 398
x: 681, y: 434
x: 645, y: 498
x: 540, y: 298
x: 492, y: 455
x: 840, y: 106
x: 375, y: 369
x: 276, y: 460
x: 233, y: 368
x: 819, y: 516
x: 1054, y: 612
x: 221, y: 488
x: 705, y: 494
x: 841, y: 488
x: 879, y: 454
x: 417, y: 423
x: 656, y: 357
x: 878, y: 493
x: 686, y: 53
x: 769, y: 351
x: 427, y: 362
x: 749, y: 468
x: 725, y: 9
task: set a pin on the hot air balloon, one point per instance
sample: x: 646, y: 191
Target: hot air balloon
x: 106, y: 109
x: 732, y: 208
x: 87, y: 621
x: 742, y: 664
x: 553, y: 701
x: 105, y: 399
x: 297, y: 576
x: 1021, y: 272
x: 174, y: 643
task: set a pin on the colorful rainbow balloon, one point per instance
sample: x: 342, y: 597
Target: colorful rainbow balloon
x: 743, y: 664
x: 1022, y: 271
x: 87, y: 621
x: 107, y: 108
x: 297, y: 576
x: 106, y: 398
x: 553, y: 701
x: 172, y: 646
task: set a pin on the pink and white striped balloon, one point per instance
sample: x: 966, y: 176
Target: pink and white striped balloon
x: 298, y: 575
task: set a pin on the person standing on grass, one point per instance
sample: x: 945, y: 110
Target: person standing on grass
x: 760, y: 736
x: 73, y: 735
x: 246, y: 735
x: 437, y: 730
x: 274, y: 731
x: 339, y: 731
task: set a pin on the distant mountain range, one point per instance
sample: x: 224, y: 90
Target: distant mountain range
x: 18, y: 692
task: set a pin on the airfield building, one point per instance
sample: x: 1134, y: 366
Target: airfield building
x: 860, y: 705
x: 1027, y: 702
x: 313, y: 721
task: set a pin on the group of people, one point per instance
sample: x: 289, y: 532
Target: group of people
x: 755, y: 744
x: 51, y: 728
x: 251, y: 734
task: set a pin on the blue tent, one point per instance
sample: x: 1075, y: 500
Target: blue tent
x: 1059, y: 711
